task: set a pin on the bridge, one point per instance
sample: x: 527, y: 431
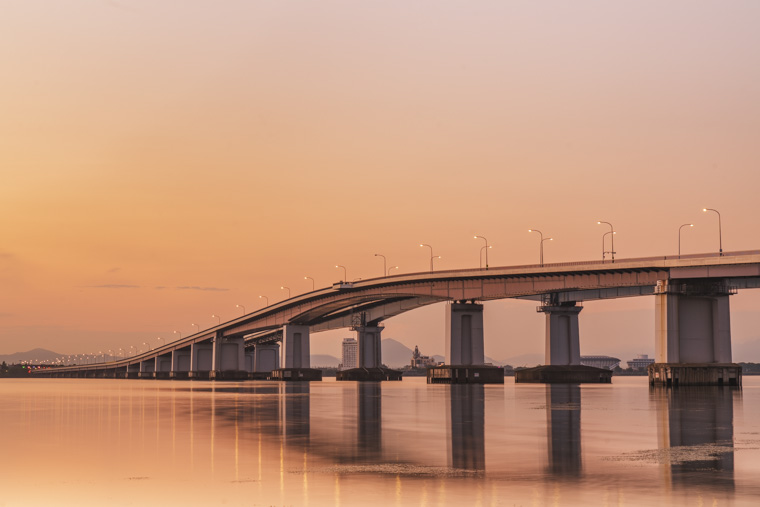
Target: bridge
x: 692, y: 316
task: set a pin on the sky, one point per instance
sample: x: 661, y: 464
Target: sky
x: 163, y: 161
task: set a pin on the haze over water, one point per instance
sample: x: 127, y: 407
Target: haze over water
x: 141, y: 442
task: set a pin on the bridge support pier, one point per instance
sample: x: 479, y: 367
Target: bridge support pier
x: 465, y: 359
x: 563, y: 352
x: 201, y: 360
x: 693, y: 334
x: 370, y: 358
x: 180, y: 368
x: 228, y: 358
x: 266, y: 359
x: 163, y: 366
x: 296, y: 356
x: 147, y: 368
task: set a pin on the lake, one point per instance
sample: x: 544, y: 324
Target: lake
x: 147, y: 442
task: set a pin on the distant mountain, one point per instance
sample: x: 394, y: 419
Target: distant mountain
x: 324, y: 360
x: 31, y: 355
x: 395, y: 354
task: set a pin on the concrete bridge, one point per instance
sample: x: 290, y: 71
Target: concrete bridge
x: 691, y: 321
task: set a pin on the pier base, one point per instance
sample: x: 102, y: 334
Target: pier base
x: 179, y: 375
x: 296, y: 374
x: 229, y: 375
x: 694, y: 374
x: 369, y: 374
x: 465, y: 374
x: 260, y: 375
x: 567, y: 374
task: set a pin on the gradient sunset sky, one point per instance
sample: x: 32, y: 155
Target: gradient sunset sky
x: 163, y: 161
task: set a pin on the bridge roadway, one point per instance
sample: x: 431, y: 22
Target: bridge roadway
x: 366, y: 303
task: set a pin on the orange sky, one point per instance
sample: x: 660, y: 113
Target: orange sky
x: 240, y: 146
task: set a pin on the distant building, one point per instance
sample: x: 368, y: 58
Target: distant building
x: 350, y: 355
x: 420, y: 361
x: 640, y: 362
x: 607, y: 362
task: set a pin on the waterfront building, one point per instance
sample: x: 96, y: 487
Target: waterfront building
x: 350, y: 354
x: 640, y: 362
x: 606, y: 362
x: 420, y: 361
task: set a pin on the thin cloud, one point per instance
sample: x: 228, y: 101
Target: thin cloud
x: 113, y: 270
x: 114, y: 286
x: 195, y: 287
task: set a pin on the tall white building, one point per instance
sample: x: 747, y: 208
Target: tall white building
x: 350, y: 355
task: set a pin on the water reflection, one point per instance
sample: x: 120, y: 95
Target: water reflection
x: 696, y: 429
x: 563, y: 429
x: 467, y: 427
x: 369, y: 420
x: 294, y: 412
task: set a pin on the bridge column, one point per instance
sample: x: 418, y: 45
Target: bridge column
x: 201, y: 360
x: 296, y: 358
x: 266, y: 358
x: 228, y: 358
x: 562, y: 335
x: 693, y: 334
x: 180, y: 368
x: 163, y: 366
x: 147, y: 368
x: 296, y: 352
x: 464, y: 334
x: 368, y: 338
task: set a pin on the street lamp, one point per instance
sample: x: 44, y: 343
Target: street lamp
x: 432, y: 259
x: 679, y: 237
x: 218, y: 319
x: 149, y: 347
x: 266, y: 300
x: 312, y: 282
x: 480, y: 259
x: 612, y: 240
x: 540, y: 245
x: 241, y: 306
x: 345, y: 276
x: 486, y: 248
x: 720, y: 234
x: 287, y: 289
x: 384, y: 266
x: 391, y: 268
x: 178, y: 333
x: 197, y: 328
x: 604, y: 236
x: 431, y: 255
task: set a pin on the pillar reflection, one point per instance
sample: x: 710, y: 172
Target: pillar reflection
x: 294, y: 411
x: 467, y: 416
x: 563, y: 429
x: 697, y: 433
x: 369, y: 419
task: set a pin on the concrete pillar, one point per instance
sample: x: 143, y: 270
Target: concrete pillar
x: 266, y: 358
x: 464, y: 334
x: 163, y: 366
x: 249, y: 360
x: 692, y: 324
x: 228, y: 355
x: 201, y: 359
x: 180, y: 362
x: 370, y: 355
x: 296, y: 352
x: 562, y: 336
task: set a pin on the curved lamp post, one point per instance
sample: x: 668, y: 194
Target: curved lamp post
x: 266, y: 300
x: 679, y: 237
x: 391, y: 268
x: 218, y: 319
x: 431, y: 255
x: 384, y: 266
x: 612, y: 239
x: 541, y: 245
x: 197, y: 328
x: 282, y: 287
x: 720, y: 234
x: 312, y: 282
x: 480, y: 258
x: 345, y: 276
x: 485, y: 247
x: 241, y: 306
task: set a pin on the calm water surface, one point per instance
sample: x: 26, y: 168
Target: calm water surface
x: 142, y: 442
